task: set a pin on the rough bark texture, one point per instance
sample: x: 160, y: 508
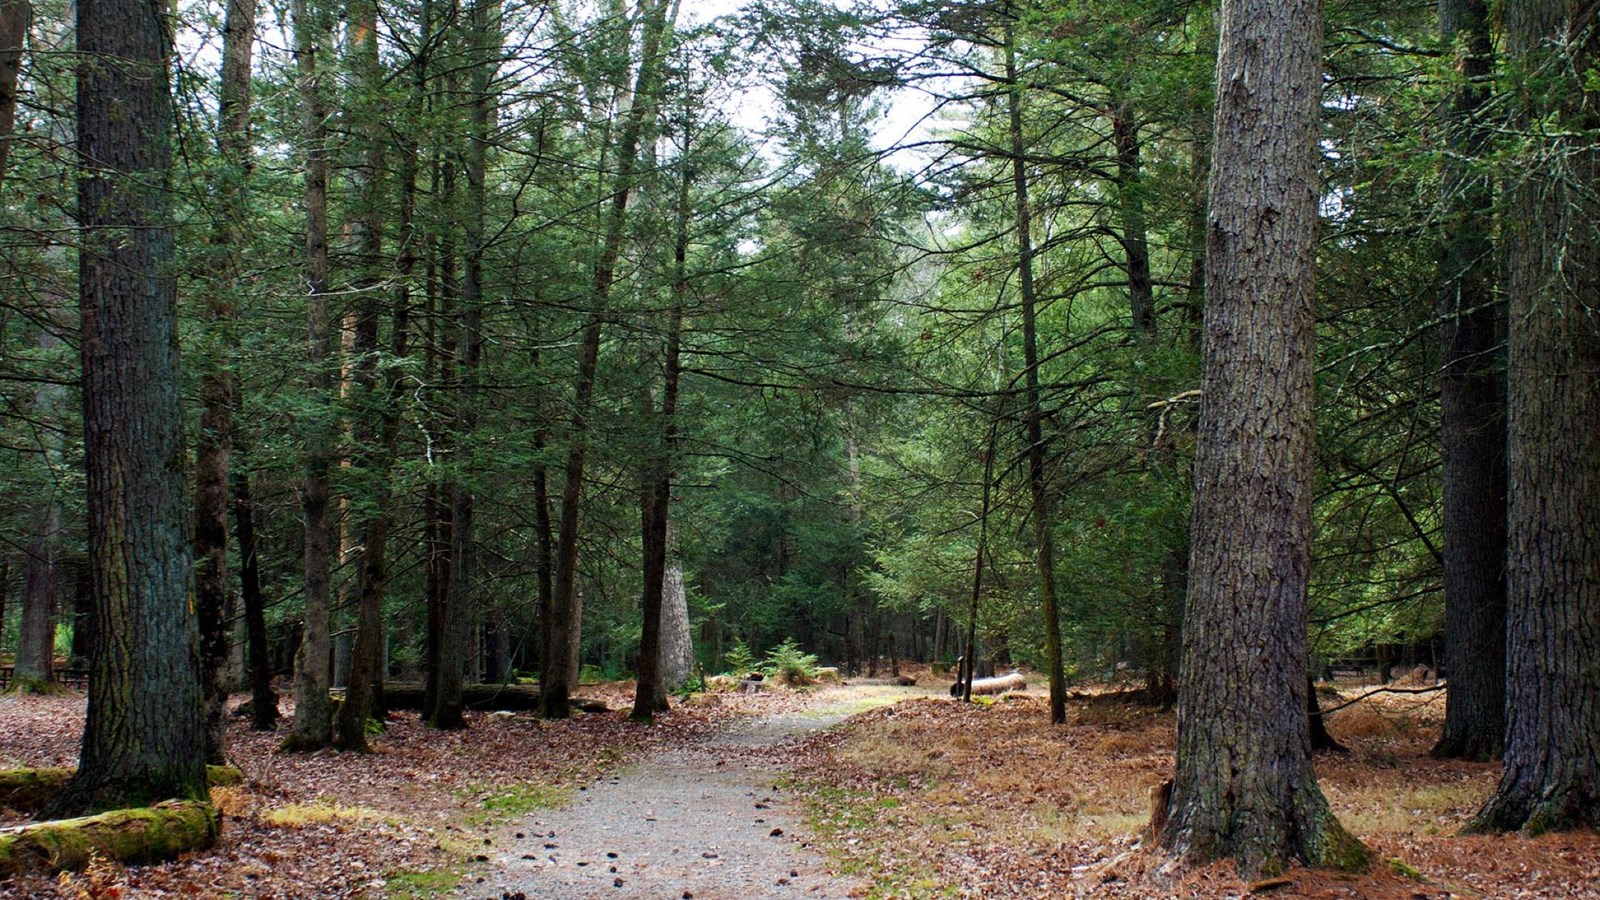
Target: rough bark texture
x: 313, y: 723
x: 14, y: 18
x: 1038, y: 451
x: 677, y: 641
x: 143, y: 738
x: 1244, y: 786
x: 127, y: 836
x: 1551, y: 775
x: 1471, y: 411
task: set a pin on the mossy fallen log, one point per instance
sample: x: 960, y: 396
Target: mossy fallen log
x: 128, y: 836
x: 482, y: 697
x: 29, y: 790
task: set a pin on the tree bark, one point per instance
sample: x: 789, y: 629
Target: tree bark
x: 1471, y: 410
x: 263, y: 699
x: 143, y: 738
x: 677, y: 642
x: 1038, y: 450
x: 15, y: 16
x: 313, y: 724
x: 650, y: 696
x: 1551, y: 774
x: 41, y: 595
x: 214, y: 443
x: 566, y: 604
x: 1130, y: 204
x: 1244, y: 786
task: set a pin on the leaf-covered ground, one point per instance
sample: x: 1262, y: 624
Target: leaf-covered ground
x: 927, y: 798
x: 404, y: 821
x: 933, y: 798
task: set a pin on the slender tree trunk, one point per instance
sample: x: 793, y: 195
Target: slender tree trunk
x: 41, y: 595
x: 1551, y: 775
x: 566, y: 605
x: 15, y: 16
x: 460, y: 591
x: 1038, y: 450
x: 677, y: 642
x: 263, y: 699
x: 144, y: 738
x: 313, y: 724
x: 1244, y: 786
x: 214, y: 443
x: 1471, y: 411
x: 1130, y: 204
x: 651, y: 694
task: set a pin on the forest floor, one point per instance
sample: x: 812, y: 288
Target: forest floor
x: 922, y: 798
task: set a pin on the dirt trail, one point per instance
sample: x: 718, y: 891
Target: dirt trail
x: 702, y: 822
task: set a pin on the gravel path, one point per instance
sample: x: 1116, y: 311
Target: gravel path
x: 703, y: 822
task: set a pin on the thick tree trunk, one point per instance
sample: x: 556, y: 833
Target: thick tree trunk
x: 1038, y: 451
x: 313, y: 723
x: 263, y: 699
x: 567, y: 611
x: 1244, y: 786
x: 144, y: 737
x: 30, y: 790
x: 15, y: 16
x: 1471, y: 411
x: 1551, y: 774
x: 125, y: 836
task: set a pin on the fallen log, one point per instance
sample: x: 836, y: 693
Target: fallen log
x: 1000, y: 684
x: 482, y: 697
x: 128, y: 836
x: 29, y: 790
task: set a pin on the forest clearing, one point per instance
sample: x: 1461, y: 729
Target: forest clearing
x: 915, y: 796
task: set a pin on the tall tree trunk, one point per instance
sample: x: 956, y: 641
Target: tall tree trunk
x: 263, y: 699
x: 1130, y: 205
x: 15, y: 16
x: 313, y: 724
x: 1471, y: 410
x: 677, y: 642
x: 1033, y: 434
x: 41, y: 595
x: 1244, y: 786
x: 214, y: 443
x: 460, y: 591
x: 650, y: 696
x: 380, y: 436
x: 566, y: 609
x: 1551, y: 775
x: 144, y: 737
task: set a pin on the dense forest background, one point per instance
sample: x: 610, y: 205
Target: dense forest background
x: 396, y: 347
x: 828, y: 294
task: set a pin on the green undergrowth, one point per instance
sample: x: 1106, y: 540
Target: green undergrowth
x: 499, y: 802
x: 422, y: 885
